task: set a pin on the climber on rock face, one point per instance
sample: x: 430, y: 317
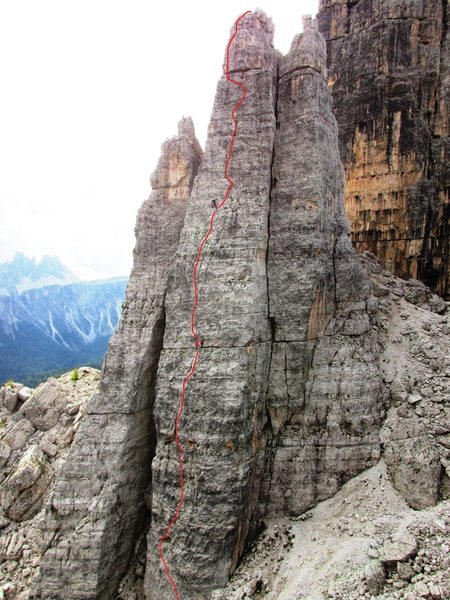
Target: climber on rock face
x: 214, y: 204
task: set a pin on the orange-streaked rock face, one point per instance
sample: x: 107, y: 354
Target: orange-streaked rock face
x: 388, y: 69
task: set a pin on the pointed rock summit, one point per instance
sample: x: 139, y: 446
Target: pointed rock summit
x: 253, y: 45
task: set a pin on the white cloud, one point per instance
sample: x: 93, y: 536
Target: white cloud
x: 90, y: 90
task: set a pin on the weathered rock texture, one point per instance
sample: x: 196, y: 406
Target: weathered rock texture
x: 23, y: 490
x: 364, y: 542
x: 366, y: 538
x: 324, y: 397
x: 98, y: 505
x: 415, y: 365
x: 388, y: 69
x: 222, y: 427
x: 284, y: 314
x: 36, y: 431
x: 290, y: 391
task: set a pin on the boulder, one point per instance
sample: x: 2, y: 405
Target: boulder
x: 403, y: 547
x: 25, y: 393
x: 18, y: 435
x: 412, y: 460
x: 375, y: 577
x: 23, y: 491
x: 11, y: 399
x: 44, y: 408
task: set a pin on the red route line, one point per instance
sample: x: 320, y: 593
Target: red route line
x: 198, y: 342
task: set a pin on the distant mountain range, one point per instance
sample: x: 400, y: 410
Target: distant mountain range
x: 50, y: 322
x: 23, y: 273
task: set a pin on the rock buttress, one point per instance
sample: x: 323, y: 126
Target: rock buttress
x: 325, y: 396
x: 224, y: 414
x: 97, y: 508
x: 388, y: 66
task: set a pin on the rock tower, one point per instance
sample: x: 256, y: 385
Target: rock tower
x: 288, y: 398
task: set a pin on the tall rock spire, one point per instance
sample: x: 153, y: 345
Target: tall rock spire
x: 221, y: 428
x: 97, y: 507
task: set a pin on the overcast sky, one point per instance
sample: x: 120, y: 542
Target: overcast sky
x: 90, y: 90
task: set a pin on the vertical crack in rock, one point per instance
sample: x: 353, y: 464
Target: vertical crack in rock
x: 97, y: 509
x: 221, y: 430
x: 273, y: 183
x: 334, y: 272
x: 325, y: 395
x: 388, y: 69
x: 269, y: 430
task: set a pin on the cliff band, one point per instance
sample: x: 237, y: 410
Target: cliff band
x: 389, y: 73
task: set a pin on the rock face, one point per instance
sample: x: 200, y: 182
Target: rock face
x: 412, y: 459
x: 364, y: 542
x: 388, y: 69
x: 360, y: 540
x: 324, y: 397
x: 296, y: 372
x: 266, y: 301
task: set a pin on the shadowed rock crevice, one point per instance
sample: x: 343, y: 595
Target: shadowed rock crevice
x: 268, y: 433
x: 318, y: 407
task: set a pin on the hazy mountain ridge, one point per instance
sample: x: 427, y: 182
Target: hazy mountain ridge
x: 47, y: 329
x: 23, y: 273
